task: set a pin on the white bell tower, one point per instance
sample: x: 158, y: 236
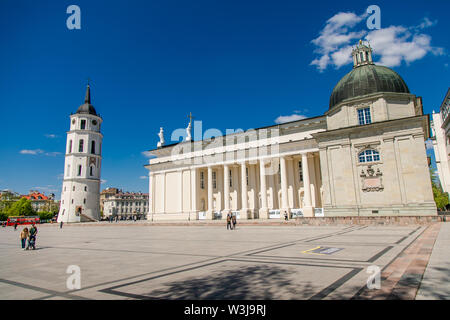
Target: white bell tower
x: 80, y: 197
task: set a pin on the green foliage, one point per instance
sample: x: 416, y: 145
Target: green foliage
x: 3, y: 217
x: 21, y: 208
x: 440, y: 197
x: 46, y: 215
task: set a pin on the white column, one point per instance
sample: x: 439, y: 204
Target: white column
x: 226, y: 189
x: 284, y: 190
x: 163, y: 193
x: 150, y: 196
x: 244, y: 205
x: 307, y: 210
x: 209, y: 212
x: 263, y: 212
x: 193, y: 194
x: 181, y: 191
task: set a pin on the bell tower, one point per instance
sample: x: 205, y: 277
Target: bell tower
x: 80, y: 197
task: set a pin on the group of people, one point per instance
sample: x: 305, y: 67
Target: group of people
x: 29, y: 235
x: 231, y: 221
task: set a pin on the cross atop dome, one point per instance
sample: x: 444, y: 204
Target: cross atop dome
x: 362, y: 54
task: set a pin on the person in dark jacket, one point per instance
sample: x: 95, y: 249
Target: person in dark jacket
x: 229, y: 222
x: 233, y: 219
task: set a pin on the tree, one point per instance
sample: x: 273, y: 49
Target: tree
x: 21, y: 208
x: 440, y: 197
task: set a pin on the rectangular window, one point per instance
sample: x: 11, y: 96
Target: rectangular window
x: 246, y: 174
x: 231, y: 179
x: 300, y: 172
x: 214, y: 179
x: 81, y: 146
x: 83, y: 124
x: 279, y: 174
x: 202, y: 180
x: 79, y: 170
x: 364, y: 116
x: 70, y: 146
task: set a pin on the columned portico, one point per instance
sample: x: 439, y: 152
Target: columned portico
x: 209, y: 212
x: 244, y: 194
x: 263, y: 210
x: 193, y: 213
x: 308, y: 210
x: 226, y: 189
x: 284, y: 188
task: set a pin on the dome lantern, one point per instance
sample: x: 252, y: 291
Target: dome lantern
x: 362, y: 54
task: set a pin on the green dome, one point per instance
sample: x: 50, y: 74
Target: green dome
x: 367, y: 79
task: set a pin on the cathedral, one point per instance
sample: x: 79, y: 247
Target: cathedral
x: 365, y: 156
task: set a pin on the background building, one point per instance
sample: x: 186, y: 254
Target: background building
x: 105, y: 194
x: 125, y: 204
x: 441, y: 141
x: 42, y: 203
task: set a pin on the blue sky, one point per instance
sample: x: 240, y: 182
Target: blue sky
x: 233, y: 64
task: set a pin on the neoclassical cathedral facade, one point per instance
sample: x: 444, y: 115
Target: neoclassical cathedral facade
x: 365, y: 156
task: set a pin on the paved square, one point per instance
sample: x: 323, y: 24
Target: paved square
x: 139, y: 261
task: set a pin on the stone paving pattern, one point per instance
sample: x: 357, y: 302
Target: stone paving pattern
x: 139, y: 260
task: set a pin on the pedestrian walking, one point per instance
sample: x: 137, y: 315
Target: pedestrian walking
x: 61, y: 225
x: 229, y: 221
x: 15, y: 226
x: 285, y: 216
x: 23, y: 237
x: 233, y: 219
x: 32, y: 238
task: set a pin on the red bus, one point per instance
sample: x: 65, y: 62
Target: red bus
x: 22, y: 220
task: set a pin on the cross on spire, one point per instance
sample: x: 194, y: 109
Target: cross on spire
x: 190, y: 117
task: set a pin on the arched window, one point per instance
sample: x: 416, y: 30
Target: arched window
x: 93, y: 147
x: 79, y: 170
x: 369, y: 155
x: 91, y: 170
x: 81, y: 146
x: 70, y: 146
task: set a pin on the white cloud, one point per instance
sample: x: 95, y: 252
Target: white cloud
x: 393, y: 44
x: 39, y: 151
x: 102, y: 181
x: 52, y: 154
x: 143, y: 177
x: 48, y: 189
x: 51, y: 136
x: 292, y: 117
x: 33, y: 152
x: 147, y: 154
